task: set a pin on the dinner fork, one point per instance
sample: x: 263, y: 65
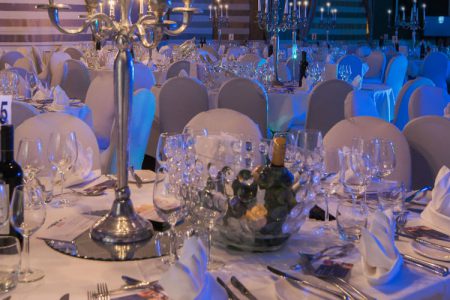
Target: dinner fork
x: 91, y: 295
x: 103, y: 292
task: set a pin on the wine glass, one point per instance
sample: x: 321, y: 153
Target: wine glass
x: 30, y: 158
x: 4, y: 204
x: 384, y: 156
x: 170, y: 206
x: 62, y: 152
x: 28, y: 214
x: 363, y: 161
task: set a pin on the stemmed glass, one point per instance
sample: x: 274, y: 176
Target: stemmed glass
x: 4, y: 204
x: 363, y: 161
x: 28, y: 214
x: 384, y: 156
x: 30, y: 158
x: 62, y: 153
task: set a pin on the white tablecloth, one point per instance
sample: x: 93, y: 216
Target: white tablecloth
x: 383, y: 97
x: 65, y: 274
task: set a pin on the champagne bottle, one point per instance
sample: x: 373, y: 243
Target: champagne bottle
x: 10, y: 172
x: 303, y: 67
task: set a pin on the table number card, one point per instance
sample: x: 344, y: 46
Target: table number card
x: 5, y: 109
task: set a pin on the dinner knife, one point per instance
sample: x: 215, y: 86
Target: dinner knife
x: 136, y: 177
x: 425, y: 242
x: 241, y: 288
x: 231, y: 295
x: 432, y: 267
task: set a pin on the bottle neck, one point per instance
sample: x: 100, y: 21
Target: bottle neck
x: 6, y: 155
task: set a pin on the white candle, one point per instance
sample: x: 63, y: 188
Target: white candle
x: 100, y: 5
x: 215, y: 11
x: 389, y: 16
x: 291, y: 5
x: 328, y: 7
x: 295, y: 6
x: 141, y: 7
x: 306, y: 8
x: 266, y: 6
x: 210, y: 11
x: 321, y: 13
x: 403, y: 11
x: 299, y: 6
x: 111, y: 8
x: 221, y: 10
x: 226, y: 10
x: 335, y: 14
x: 286, y: 7
x: 424, y: 6
x: 259, y: 5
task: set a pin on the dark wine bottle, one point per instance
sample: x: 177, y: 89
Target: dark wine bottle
x: 397, y: 47
x: 270, y: 50
x: 422, y: 50
x: 10, y: 171
x: 303, y: 68
x: 381, y: 42
x: 98, y: 45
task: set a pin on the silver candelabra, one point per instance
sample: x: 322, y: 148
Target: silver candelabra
x: 218, y: 18
x: 329, y: 21
x: 122, y: 224
x: 402, y: 22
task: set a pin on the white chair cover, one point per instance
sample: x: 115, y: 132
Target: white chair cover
x: 354, y: 62
x: 37, y: 59
x: 143, y: 77
x: 401, y: 104
x: 429, y: 141
x: 24, y: 50
x: 42, y: 125
x: 363, y: 51
x: 22, y: 111
x: 250, y: 58
x: 369, y: 127
x: 10, y: 58
x: 56, y: 67
x: 247, y: 97
x: 74, y: 53
x: 435, y: 67
x: 225, y: 120
x: 377, y: 65
x: 180, y: 99
x: 427, y: 100
x: 26, y: 64
x: 175, y: 68
x: 143, y: 109
x: 403, y: 49
x: 395, y: 73
x: 326, y: 104
x: 76, y: 79
x: 360, y: 103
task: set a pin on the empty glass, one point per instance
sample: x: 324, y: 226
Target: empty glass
x: 351, y: 217
x: 363, y: 161
x: 391, y: 195
x: 28, y: 214
x: 384, y: 157
x: 9, y: 263
x: 30, y: 158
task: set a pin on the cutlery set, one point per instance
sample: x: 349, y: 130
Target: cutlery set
x: 103, y: 293
x: 239, y: 286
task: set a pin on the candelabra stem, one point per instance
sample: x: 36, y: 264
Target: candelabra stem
x: 327, y: 33
x: 294, y: 53
x: 219, y: 35
x: 414, y: 38
x: 276, y: 45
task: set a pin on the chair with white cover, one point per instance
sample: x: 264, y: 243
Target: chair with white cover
x: 360, y: 103
x: 395, y: 73
x: 247, y: 97
x: 74, y: 53
x: 26, y: 64
x: 363, y: 51
x: 180, y: 99
x: 143, y: 77
x: 343, y: 133
x: 435, y: 67
x: 401, y: 116
x: 56, y: 67
x: 326, y: 104
x: 143, y: 109
x: 377, y: 65
x: 42, y: 125
x: 355, y: 64
x: 176, y: 67
x: 225, y: 120
x: 10, y: 58
x: 429, y: 141
x: 76, y: 79
x: 21, y: 111
x: 235, y: 51
x: 426, y: 101
x: 250, y: 58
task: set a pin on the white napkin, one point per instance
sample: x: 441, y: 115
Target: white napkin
x: 42, y: 93
x: 82, y: 169
x: 380, y: 259
x: 447, y: 111
x: 189, y: 278
x: 357, y: 82
x: 437, y: 212
x: 60, y: 98
x: 183, y: 73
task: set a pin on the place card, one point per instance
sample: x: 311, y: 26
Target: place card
x: 67, y: 229
x: 331, y: 268
x: 5, y: 109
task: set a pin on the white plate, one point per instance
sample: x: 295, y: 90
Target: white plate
x: 147, y: 176
x: 431, y: 252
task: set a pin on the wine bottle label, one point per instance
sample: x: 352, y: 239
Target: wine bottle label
x: 4, y: 230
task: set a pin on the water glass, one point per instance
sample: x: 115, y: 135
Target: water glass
x: 30, y: 158
x: 391, y: 196
x: 9, y: 263
x: 351, y: 217
x: 384, y: 156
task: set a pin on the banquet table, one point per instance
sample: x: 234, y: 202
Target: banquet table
x: 66, y: 274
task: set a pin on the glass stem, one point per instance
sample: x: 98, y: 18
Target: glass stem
x: 26, y: 255
x: 327, y: 212
x: 62, y: 182
x: 208, y: 243
x: 173, y: 246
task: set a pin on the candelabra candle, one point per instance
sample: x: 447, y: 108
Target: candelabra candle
x: 299, y: 6
x: 210, y: 11
x: 226, y: 11
x: 259, y: 5
x: 215, y: 11
x: 321, y: 13
x: 389, y: 17
x: 403, y: 12
x: 286, y: 7
x: 100, y: 6
x: 424, y: 6
x: 266, y: 6
x: 141, y: 7
x: 111, y: 9
x: 291, y: 10
x: 221, y: 10
x: 328, y: 8
x: 306, y: 8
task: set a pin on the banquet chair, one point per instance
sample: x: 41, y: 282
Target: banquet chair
x: 21, y: 111
x: 75, y: 79
x: 355, y: 64
x: 401, y: 116
x: 143, y: 77
x: 429, y: 142
x: 37, y: 59
x: 326, y: 104
x: 74, y: 53
x: 26, y: 64
x: 359, y: 103
x: 435, y: 67
x: 42, y: 125
x: 250, y: 58
x: 180, y: 99
x: 10, y: 58
x: 24, y: 50
x: 225, y: 120
x: 395, y: 74
x: 427, y: 100
x: 363, y: 51
x: 342, y: 134
x: 143, y: 108
x: 247, y: 97
x: 55, y: 68
x: 377, y: 65
x: 175, y: 68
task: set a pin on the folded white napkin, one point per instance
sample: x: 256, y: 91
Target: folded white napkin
x: 60, y: 98
x: 82, y: 169
x: 357, y: 82
x: 437, y: 212
x: 447, y: 111
x: 7, y: 66
x: 189, y: 278
x: 183, y: 73
x: 42, y: 93
x: 380, y: 258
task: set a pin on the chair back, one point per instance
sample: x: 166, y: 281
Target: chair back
x: 435, y: 67
x: 401, y: 116
x: 429, y: 141
x: 180, y: 99
x: 428, y: 100
x: 143, y: 77
x: 363, y: 51
x: 360, y: 103
x: 22, y: 111
x: 354, y: 62
x: 74, y: 53
x: 76, y: 79
x: 326, y: 104
x: 26, y: 64
x: 396, y: 73
x: 377, y: 65
x: 56, y: 66
x: 10, y: 58
x: 343, y: 133
x: 175, y: 68
x: 247, y: 97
